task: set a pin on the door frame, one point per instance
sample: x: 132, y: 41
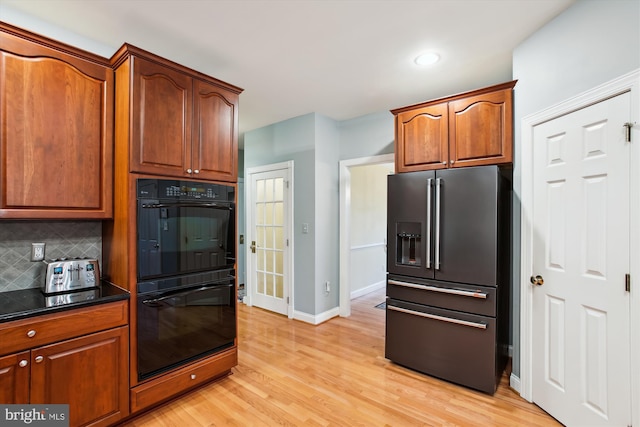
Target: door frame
x: 628, y: 82
x: 288, y: 227
x: 345, y: 223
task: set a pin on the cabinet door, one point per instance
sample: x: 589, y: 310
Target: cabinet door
x: 14, y: 378
x: 89, y: 373
x: 480, y: 129
x: 161, y: 120
x: 215, y: 133
x: 56, y: 145
x: 422, y: 139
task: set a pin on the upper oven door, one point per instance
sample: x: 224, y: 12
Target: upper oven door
x: 179, y: 237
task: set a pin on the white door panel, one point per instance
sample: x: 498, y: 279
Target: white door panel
x: 581, y: 314
x: 268, y: 230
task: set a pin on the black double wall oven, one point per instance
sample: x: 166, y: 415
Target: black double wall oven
x: 186, y: 293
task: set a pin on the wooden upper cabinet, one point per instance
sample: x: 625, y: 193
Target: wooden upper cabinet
x: 184, y: 124
x: 215, y: 138
x: 422, y: 137
x: 161, y: 119
x: 469, y: 129
x: 481, y: 129
x: 56, y: 138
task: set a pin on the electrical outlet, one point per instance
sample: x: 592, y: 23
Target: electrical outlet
x: 37, y: 251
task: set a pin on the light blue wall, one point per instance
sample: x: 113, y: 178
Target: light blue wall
x: 327, y: 213
x: 369, y: 135
x: 592, y: 42
x: 292, y: 139
x: 317, y: 144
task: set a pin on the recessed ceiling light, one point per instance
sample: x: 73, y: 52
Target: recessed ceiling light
x: 427, y: 58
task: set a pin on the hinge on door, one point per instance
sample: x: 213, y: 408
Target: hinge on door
x: 627, y: 282
x: 287, y: 183
x: 287, y: 242
x: 628, y: 125
x: 287, y: 300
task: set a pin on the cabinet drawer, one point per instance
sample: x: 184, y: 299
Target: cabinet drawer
x: 472, y: 299
x: 453, y: 346
x: 179, y: 381
x: 28, y: 333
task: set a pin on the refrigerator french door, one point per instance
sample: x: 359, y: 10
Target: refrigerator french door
x: 444, y: 224
x: 449, y: 272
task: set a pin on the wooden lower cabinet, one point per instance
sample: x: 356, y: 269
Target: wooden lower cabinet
x: 177, y: 382
x: 14, y: 378
x: 77, y: 357
x: 88, y: 373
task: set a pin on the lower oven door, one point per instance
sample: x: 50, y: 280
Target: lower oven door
x: 181, y: 326
x: 451, y: 345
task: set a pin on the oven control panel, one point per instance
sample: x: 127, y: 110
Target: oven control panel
x: 183, y: 190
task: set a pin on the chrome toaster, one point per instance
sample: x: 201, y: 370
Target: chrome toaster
x: 70, y: 274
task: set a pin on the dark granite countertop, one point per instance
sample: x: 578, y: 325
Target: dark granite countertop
x: 25, y: 303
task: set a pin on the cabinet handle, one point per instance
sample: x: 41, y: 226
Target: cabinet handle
x: 444, y: 163
x: 196, y: 171
x: 31, y: 333
x: 189, y: 171
x: 39, y: 359
x: 23, y: 363
x: 193, y: 376
x: 452, y: 162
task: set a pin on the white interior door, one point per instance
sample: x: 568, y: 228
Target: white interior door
x: 581, y: 225
x: 269, y: 245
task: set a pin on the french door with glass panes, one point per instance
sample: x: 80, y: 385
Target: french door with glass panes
x: 268, y: 255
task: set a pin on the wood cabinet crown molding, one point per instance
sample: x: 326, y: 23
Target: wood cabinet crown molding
x: 127, y: 50
x: 449, y: 98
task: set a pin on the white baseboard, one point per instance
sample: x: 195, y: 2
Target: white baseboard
x: 367, y: 289
x: 318, y: 318
x: 514, y: 382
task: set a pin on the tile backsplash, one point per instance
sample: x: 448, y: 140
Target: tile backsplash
x: 63, y: 239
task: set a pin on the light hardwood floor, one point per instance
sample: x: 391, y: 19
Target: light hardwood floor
x: 294, y: 374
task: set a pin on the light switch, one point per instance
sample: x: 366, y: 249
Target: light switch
x: 305, y: 228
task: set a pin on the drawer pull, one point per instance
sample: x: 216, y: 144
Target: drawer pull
x: 436, y: 317
x: 39, y: 359
x: 23, y: 363
x: 31, y: 333
x: 193, y: 376
x: 472, y: 294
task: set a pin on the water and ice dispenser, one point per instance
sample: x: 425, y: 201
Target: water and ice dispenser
x: 408, y: 244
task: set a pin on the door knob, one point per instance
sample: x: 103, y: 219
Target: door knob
x: 253, y: 246
x: 537, y: 280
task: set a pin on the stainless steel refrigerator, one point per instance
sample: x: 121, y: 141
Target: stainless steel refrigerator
x: 449, y: 273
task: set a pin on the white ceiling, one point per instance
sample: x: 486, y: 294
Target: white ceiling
x: 342, y: 59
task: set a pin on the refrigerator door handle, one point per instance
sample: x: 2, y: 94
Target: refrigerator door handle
x: 437, y: 225
x: 428, y: 239
x: 440, y: 318
x: 472, y: 294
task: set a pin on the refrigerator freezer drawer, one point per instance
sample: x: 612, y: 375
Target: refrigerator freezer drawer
x: 457, y: 347
x: 453, y: 296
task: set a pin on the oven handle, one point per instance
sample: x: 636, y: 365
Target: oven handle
x: 187, y: 292
x: 473, y: 294
x: 185, y: 205
x: 436, y: 317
